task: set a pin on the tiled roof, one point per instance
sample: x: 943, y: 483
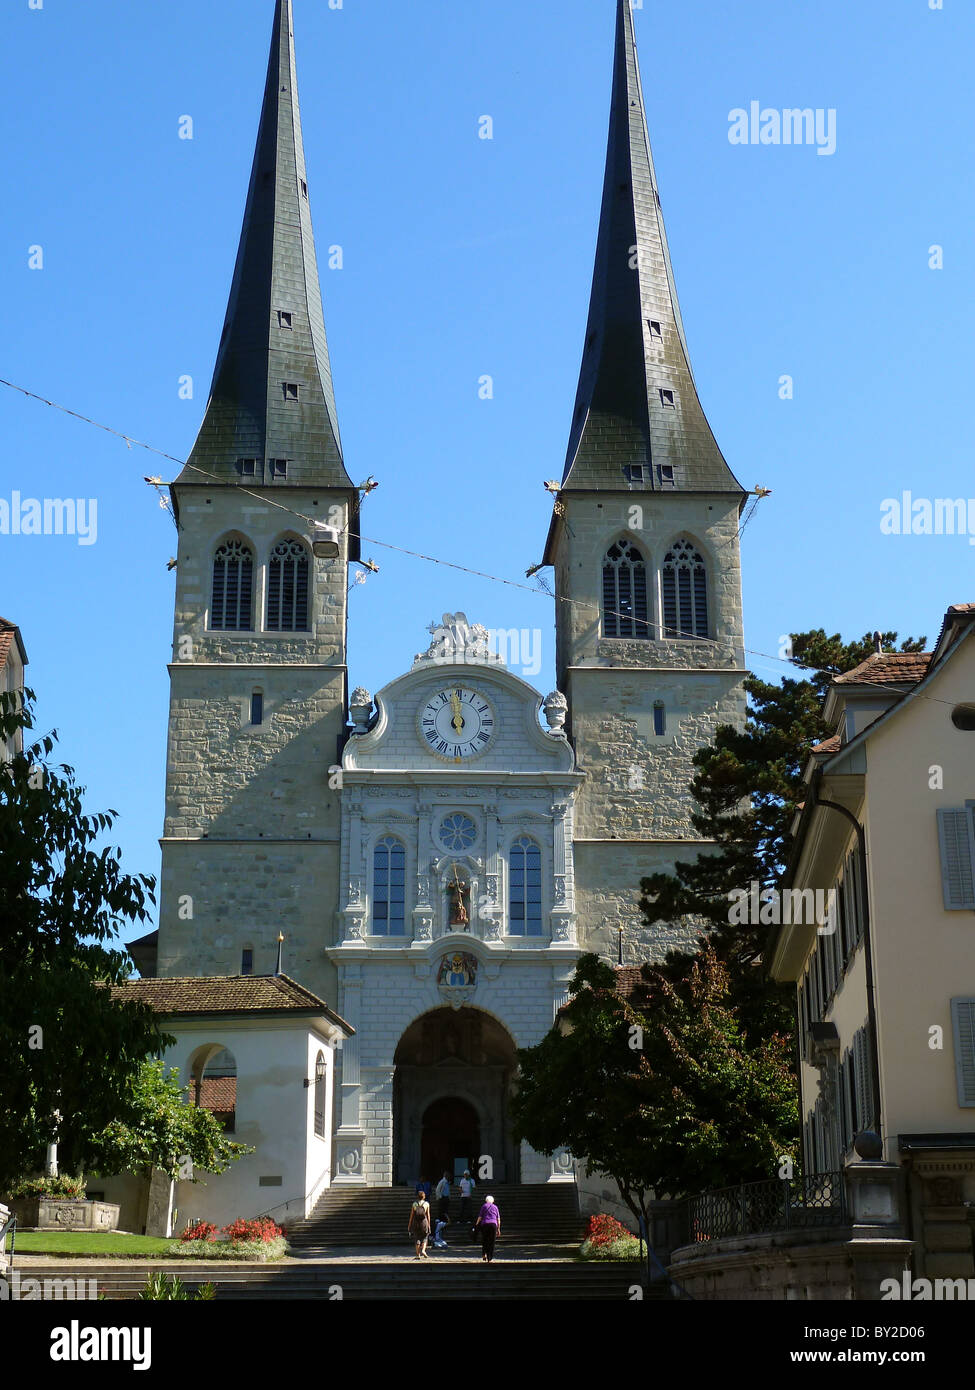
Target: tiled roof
x: 828, y: 745
x: 629, y: 978
x: 217, y: 1093
x: 8, y: 631
x: 226, y: 994
x: 889, y: 668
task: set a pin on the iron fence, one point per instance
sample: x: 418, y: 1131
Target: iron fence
x: 759, y: 1208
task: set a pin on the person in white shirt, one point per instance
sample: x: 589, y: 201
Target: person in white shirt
x: 443, y: 1195
x: 466, y: 1194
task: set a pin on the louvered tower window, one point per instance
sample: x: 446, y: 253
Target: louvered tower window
x: 287, y: 588
x: 625, y: 592
x: 525, y: 896
x: 685, y: 592
x: 389, y: 888
x: 231, y: 604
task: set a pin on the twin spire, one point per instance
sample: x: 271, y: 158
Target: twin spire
x: 272, y: 403
x: 637, y: 403
x: 271, y: 397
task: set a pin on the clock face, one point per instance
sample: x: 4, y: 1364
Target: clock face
x: 456, y: 723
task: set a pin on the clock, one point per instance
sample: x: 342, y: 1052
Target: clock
x: 456, y: 723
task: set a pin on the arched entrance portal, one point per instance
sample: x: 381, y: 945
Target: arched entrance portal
x: 451, y: 1137
x: 455, y: 1069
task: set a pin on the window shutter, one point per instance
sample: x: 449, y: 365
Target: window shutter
x: 859, y: 1083
x: 963, y: 1022
x: 957, y: 860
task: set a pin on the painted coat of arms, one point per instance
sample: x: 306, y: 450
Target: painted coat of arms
x: 457, y: 978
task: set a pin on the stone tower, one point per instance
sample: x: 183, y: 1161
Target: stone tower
x: 258, y: 677
x: 644, y: 542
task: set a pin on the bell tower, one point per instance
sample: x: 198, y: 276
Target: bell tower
x: 258, y: 675
x: 644, y: 543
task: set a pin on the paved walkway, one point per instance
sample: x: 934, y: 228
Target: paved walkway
x: 349, y: 1254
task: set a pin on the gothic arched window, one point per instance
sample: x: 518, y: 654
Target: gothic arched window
x: 525, y: 891
x: 389, y: 888
x: 625, y: 592
x: 685, y: 592
x: 287, y: 587
x: 231, y: 601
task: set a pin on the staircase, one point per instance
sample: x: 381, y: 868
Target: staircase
x: 531, y: 1214
x: 392, y: 1280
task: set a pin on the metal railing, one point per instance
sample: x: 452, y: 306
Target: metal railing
x: 759, y: 1208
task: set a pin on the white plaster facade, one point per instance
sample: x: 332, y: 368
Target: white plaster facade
x: 521, y: 787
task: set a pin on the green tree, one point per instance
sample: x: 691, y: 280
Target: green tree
x: 658, y: 1089
x: 747, y: 788
x: 68, y: 1051
x: 159, y: 1129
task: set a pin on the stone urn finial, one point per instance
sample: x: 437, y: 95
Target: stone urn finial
x: 360, y: 708
x: 556, y: 708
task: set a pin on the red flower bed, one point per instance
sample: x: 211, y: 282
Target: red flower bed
x: 263, y: 1228
x: 199, y: 1230
x: 605, y: 1229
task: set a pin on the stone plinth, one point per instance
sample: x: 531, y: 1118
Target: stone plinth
x: 64, y: 1214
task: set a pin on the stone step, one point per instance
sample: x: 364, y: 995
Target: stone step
x: 543, y: 1213
x: 383, y: 1281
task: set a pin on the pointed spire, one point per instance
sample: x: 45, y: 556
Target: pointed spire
x: 271, y: 396
x: 637, y: 401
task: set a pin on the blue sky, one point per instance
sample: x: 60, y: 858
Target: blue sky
x: 465, y: 257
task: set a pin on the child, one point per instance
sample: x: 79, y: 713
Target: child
x: 438, y: 1239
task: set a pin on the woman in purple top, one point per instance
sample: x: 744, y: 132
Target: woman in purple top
x: 489, y: 1220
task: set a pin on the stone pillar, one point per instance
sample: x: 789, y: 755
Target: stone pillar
x: 349, y: 1135
x: 423, y: 914
x: 878, y: 1249
x: 377, y: 1122
x: 4, y: 1221
x: 562, y: 916
x: 159, y: 1213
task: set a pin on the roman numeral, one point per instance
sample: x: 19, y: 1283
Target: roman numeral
x: 481, y: 709
x: 428, y: 721
x: 441, y: 747
x: 484, y: 737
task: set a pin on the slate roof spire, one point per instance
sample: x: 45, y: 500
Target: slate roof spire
x: 635, y: 346
x: 272, y: 397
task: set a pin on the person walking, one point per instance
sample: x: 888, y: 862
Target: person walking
x: 443, y: 1197
x: 466, y: 1191
x: 489, y: 1220
x: 419, y: 1225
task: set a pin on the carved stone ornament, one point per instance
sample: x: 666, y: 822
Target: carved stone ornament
x: 457, y: 978
x: 456, y: 640
x: 360, y: 708
x: 555, y: 707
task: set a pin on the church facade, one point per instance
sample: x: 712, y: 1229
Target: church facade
x: 438, y: 857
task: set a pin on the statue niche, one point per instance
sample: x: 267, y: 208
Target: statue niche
x: 458, y: 902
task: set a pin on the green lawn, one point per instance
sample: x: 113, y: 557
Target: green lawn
x: 108, y: 1243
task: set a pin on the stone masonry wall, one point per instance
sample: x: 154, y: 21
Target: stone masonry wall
x: 252, y: 829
